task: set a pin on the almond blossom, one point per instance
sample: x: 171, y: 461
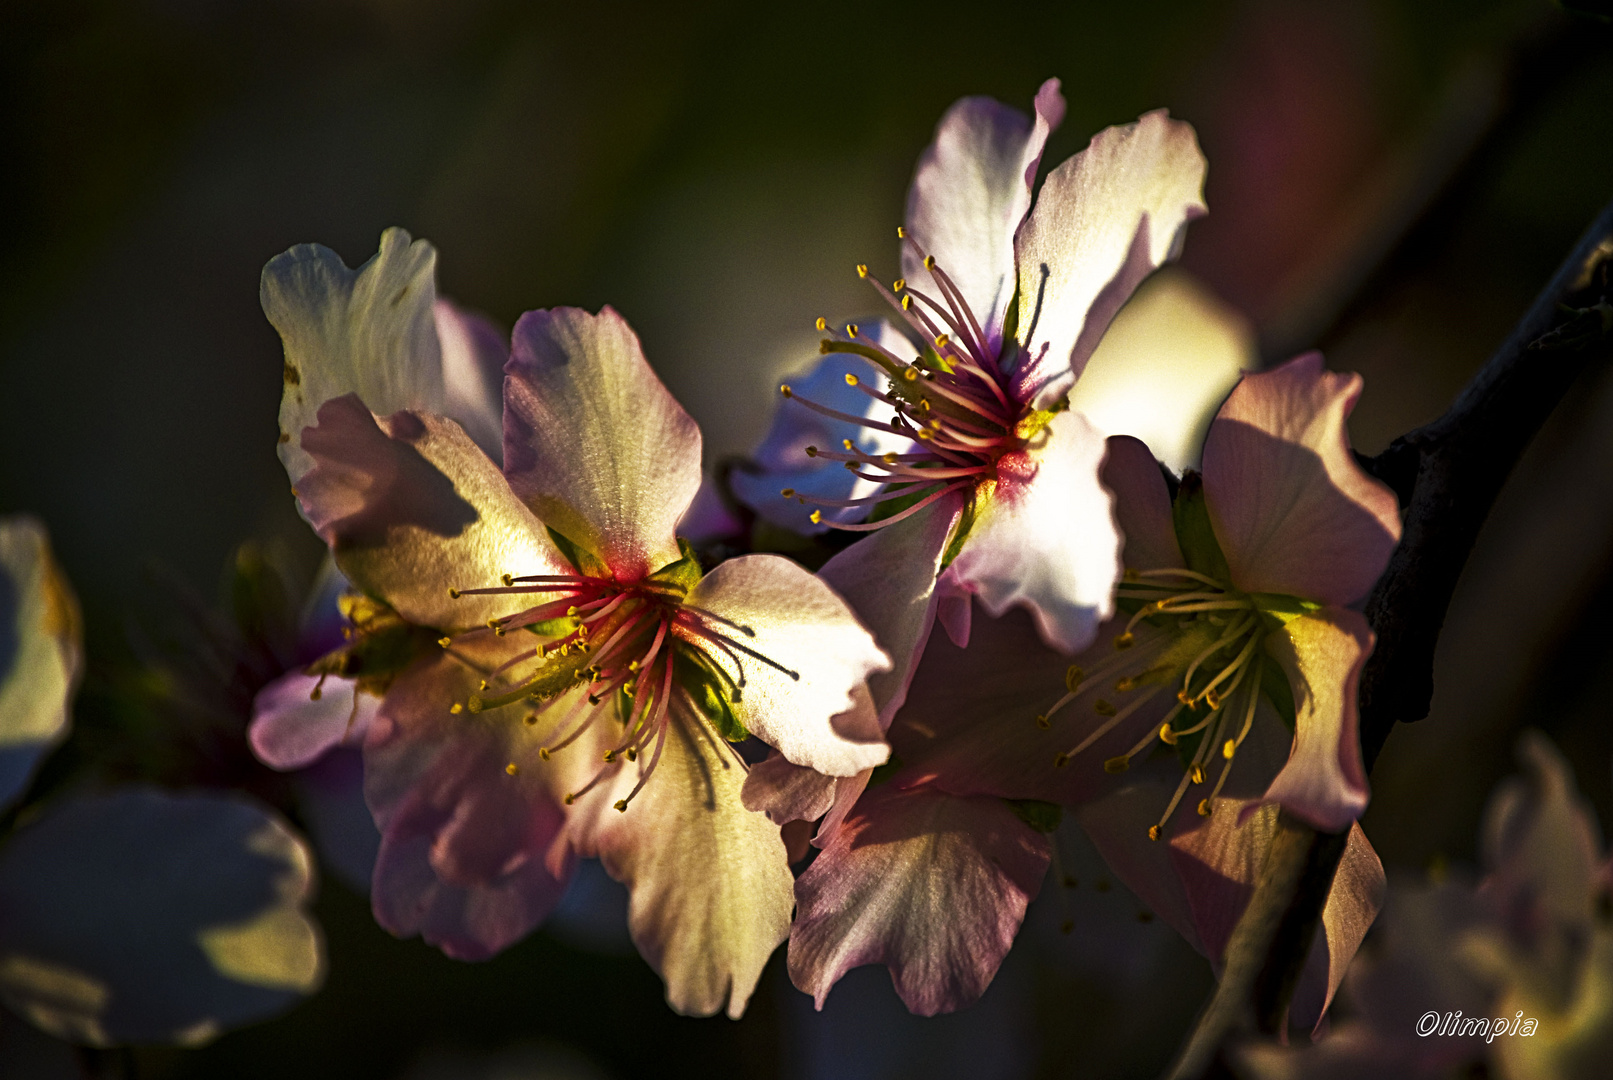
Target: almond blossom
x: 573, y: 680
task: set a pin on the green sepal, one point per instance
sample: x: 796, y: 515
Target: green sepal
x: 966, y: 524
x: 1010, y: 326
x: 882, y: 773
x: 1194, y: 533
x: 934, y: 361
x: 707, y: 688
x: 1044, y: 817
x: 552, y: 628
x: 1032, y: 423
x: 1279, y: 610
x: 581, y: 559
x: 685, y: 573
x: 379, y: 647
x: 1274, y: 685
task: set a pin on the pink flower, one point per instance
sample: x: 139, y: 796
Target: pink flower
x: 1237, y: 648
x: 582, y: 660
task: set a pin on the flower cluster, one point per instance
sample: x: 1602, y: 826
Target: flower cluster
x: 541, y: 667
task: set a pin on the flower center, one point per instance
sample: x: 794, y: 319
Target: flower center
x: 952, y: 401
x: 1195, y: 636
x: 635, y: 646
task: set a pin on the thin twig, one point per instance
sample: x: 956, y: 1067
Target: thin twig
x: 1447, y: 476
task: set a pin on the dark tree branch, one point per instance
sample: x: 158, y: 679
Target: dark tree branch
x: 1447, y: 475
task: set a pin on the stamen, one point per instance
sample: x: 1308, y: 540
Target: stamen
x: 894, y: 518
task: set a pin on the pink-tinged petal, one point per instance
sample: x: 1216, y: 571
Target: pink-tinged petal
x: 930, y: 885
x: 370, y: 332
x: 474, y: 353
x: 787, y: 792
x: 1142, y: 505
x: 954, y: 609
x: 411, y: 508
x: 816, y: 656
x: 888, y: 578
x: 848, y: 789
x: 140, y: 916
x: 1104, y: 220
x: 782, y: 455
x: 1046, y: 537
x: 1293, y: 511
x: 1322, y: 654
x: 1117, y: 825
x: 710, y: 881
x: 594, y: 442
x: 292, y: 729
x: 708, y: 518
x: 1352, y: 907
x: 970, y: 192
x: 41, y: 652
x: 472, y: 858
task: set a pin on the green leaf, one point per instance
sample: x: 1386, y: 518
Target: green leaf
x: 581, y: 559
x: 1044, y: 817
x: 966, y: 524
x: 1194, y: 533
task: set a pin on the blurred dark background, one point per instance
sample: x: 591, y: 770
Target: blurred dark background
x: 1389, y: 179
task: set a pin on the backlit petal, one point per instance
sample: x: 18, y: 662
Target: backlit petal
x: 474, y: 353
x: 594, y: 442
x: 41, y: 652
x: 292, y: 729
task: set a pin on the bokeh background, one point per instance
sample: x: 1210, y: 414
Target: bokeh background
x: 1391, y: 180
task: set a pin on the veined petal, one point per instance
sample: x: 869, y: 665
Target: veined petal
x: 1359, y: 887
x: 889, y: 579
x: 41, y: 652
x: 1104, y: 220
x: 782, y: 454
x: 970, y: 192
x: 710, y: 881
x: 369, y: 332
x: 292, y: 729
x: 594, y: 442
x: 816, y: 655
x: 472, y: 858
x: 1142, y: 505
x: 138, y: 916
x: 1322, y: 654
x: 1046, y: 537
x: 474, y: 353
x: 928, y: 884
x: 786, y: 792
x: 411, y: 508
x: 1293, y: 511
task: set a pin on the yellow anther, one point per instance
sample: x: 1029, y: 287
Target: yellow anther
x: 901, y: 233
x: 910, y: 374
x: 1103, y: 708
x: 935, y: 425
x: 1042, y: 721
x: 508, y: 579
x: 785, y: 390
x: 512, y: 768
x: 822, y: 324
x: 1197, y: 775
x: 453, y: 594
x: 316, y: 693
x: 492, y: 624
x: 942, y: 342
x: 1212, y: 699
x: 456, y: 708
x: 1167, y: 735
x: 924, y: 406
x: 862, y: 270
x: 1125, y: 684
x: 929, y: 262
x: 610, y: 756
x: 1072, y: 677
x: 851, y: 380
x: 816, y: 517
x: 889, y: 457
x: 1060, y: 760
x: 1229, y: 748
x: 907, y: 301
x: 1117, y: 764
x: 898, y: 285
x: 1155, y: 832
x: 1184, y: 697
x: 1126, y: 640
x: 788, y: 493
x: 445, y: 641
x: 1204, y: 808
x: 621, y: 805
x: 632, y: 665
x: 846, y: 443
x: 543, y: 752
x: 923, y: 435
x: 851, y: 329
x: 569, y: 799
x: 812, y: 451
x: 483, y: 685
x: 632, y: 755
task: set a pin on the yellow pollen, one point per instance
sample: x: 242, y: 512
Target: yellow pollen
x: 1167, y: 735
x: 851, y: 380
x: 1228, y: 749
x: 1155, y: 832
x: 1042, y: 721
x: 1204, y: 808
x: 822, y: 323
x: 1117, y: 764
x: 910, y: 374
x: 1072, y: 677
x: 512, y: 768
x: 816, y: 517
x: 1125, y: 641
x: 483, y: 685
x: 1060, y: 760
x: 1124, y: 685
x: 889, y: 458
x: 923, y: 435
x: 907, y: 301
x: 898, y: 285
x: 610, y: 756
x: 942, y: 342
x: 788, y: 493
x: 812, y: 451
x: 901, y: 233
x: 851, y: 329
x: 1212, y: 699
x: 929, y: 262
x: 862, y: 270
x: 508, y: 579
x: 924, y: 406
x: 621, y: 805
x: 632, y: 665
x: 785, y: 389
x: 569, y: 799
x: 1184, y: 697
x: 847, y: 444
x: 543, y: 752
x: 445, y: 641
x: 1103, y: 708
x: 453, y: 594
x: 1198, y: 774
x: 632, y: 755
